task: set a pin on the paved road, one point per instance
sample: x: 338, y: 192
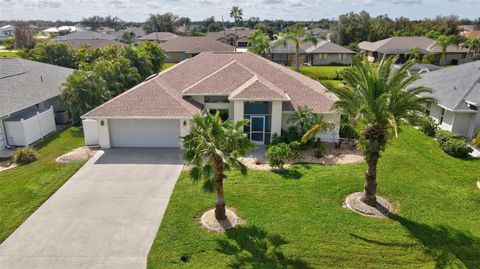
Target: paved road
x: 105, y: 216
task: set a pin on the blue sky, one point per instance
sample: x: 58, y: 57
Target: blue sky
x: 138, y: 10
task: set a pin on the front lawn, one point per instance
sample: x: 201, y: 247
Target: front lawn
x: 25, y: 188
x: 295, y: 219
x: 8, y: 54
x: 322, y: 72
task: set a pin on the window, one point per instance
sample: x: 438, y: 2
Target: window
x: 342, y: 56
x: 441, y: 116
x: 242, y: 44
x: 216, y: 99
x: 428, y: 109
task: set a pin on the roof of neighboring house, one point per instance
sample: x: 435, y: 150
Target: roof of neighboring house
x: 92, y: 43
x: 419, y: 68
x: 472, y: 34
x: 241, y: 32
x: 105, y: 29
x: 455, y: 86
x: 238, y: 75
x: 158, y: 36
x: 403, y: 44
x: 84, y: 35
x: 323, y: 46
x: 24, y: 83
x: 137, y: 31
x: 195, y: 44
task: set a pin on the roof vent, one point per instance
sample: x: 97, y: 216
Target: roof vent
x: 150, y: 77
x: 41, y: 78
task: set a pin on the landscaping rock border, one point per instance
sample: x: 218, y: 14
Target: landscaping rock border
x: 211, y: 223
x: 78, y: 154
x: 381, y: 210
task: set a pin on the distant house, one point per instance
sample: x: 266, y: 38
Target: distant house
x: 29, y: 98
x: 136, y: 32
x: 85, y: 35
x: 472, y: 34
x: 228, y: 36
x: 184, y: 47
x: 105, y: 30
x: 8, y: 30
x: 402, y: 46
x: 92, y: 43
x: 457, y: 90
x: 324, y: 53
x: 159, y: 37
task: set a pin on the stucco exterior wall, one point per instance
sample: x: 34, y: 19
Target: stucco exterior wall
x: 331, y: 59
x: 330, y: 136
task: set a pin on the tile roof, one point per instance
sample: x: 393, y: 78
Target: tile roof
x: 159, y: 36
x: 195, y: 44
x: 323, y: 46
x: 403, y: 44
x: 241, y: 32
x: 92, y: 43
x: 453, y: 86
x: 84, y: 35
x: 238, y: 74
x: 24, y: 83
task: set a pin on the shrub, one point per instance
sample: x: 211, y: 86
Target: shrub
x: 25, y: 155
x: 319, y: 150
x: 456, y: 148
x: 476, y: 139
x: 428, y: 126
x: 453, y: 144
x: 277, y: 155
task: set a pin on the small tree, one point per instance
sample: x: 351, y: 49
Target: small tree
x: 443, y: 42
x: 296, y: 36
x: 23, y: 35
x: 236, y: 13
x: 473, y: 46
x: 259, y: 42
x: 213, y: 147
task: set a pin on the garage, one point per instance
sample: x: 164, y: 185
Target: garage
x: 144, y: 132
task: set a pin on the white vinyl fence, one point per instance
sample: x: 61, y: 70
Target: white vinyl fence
x: 23, y: 132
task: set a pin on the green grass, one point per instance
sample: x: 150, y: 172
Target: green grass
x: 4, y: 54
x: 296, y: 220
x: 322, y: 72
x: 166, y: 66
x: 23, y: 189
x: 331, y: 84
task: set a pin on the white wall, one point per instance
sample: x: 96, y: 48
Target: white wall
x: 26, y: 131
x: 91, y: 132
x: 103, y: 134
x: 2, y: 136
x: 328, y: 136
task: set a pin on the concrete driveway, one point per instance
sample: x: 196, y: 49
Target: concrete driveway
x: 105, y: 216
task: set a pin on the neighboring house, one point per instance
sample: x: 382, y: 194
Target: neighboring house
x: 228, y: 36
x: 402, y: 46
x: 8, y: 30
x: 419, y: 68
x: 105, y: 30
x: 92, y: 43
x: 239, y: 85
x: 324, y: 53
x: 320, y: 33
x: 184, y: 47
x: 457, y: 90
x: 159, y: 37
x: 472, y: 34
x: 29, y: 96
x: 136, y: 32
x: 85, y: 35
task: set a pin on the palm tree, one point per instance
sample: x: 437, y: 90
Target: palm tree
x: 236, y: 13
x: 294, y: 37
x: 213, y: 147
x: 415, y: 54
x: 259, y: 42
x: 443, y: 42
x: 473, y: 46
x: 377, y: 98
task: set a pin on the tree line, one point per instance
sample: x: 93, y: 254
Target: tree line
x: 100, y: 74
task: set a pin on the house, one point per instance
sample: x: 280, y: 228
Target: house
x: 228, y: 36
x: 472, y: 34
x: 135, y: 32
x: 105, y: 30
x: 84, y: 35
x: 8, y: 30
x: 419, y: 68
x: 324, y: 53
x: 184, y: 47
x: 457, y: 90
x: 159, y: 37
x: 92, y: 43
x: 402, y: 46
x: 239, y: 85
x: 29, y: 98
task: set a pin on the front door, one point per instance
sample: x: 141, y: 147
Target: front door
x: 257, y: 129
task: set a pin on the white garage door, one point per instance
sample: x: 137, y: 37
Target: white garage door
x: 144, y: 133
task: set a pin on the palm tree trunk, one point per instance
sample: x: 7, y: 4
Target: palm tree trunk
x: 297, y: 60
x: 370, y: 189
x: 220, y: 201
